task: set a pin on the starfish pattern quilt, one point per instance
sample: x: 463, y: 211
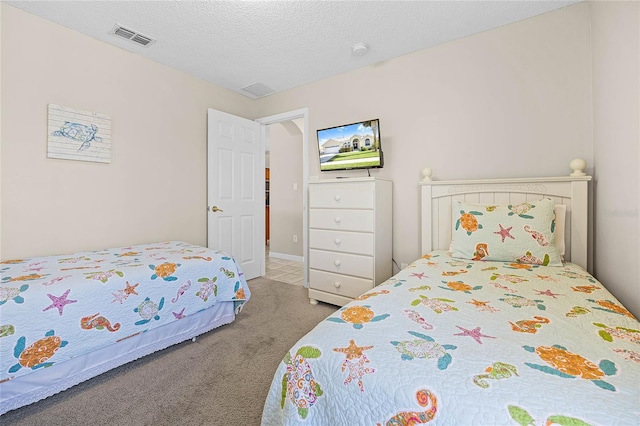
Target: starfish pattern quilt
x: 56, y: 308
x: 450, y: 341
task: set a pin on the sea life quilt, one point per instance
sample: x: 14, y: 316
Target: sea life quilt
x: 58, y: 307
x: 464, y: 342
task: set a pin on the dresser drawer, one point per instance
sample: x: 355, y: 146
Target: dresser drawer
x: 356, y: 195
x: 338, y: 284
x: 346, y: 220
x: 345, y: 242
x: 341, y: 263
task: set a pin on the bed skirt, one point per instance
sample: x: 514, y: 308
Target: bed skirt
x: 30, y: 388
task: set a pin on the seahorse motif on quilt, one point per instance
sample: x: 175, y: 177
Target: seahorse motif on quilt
x: 411, y: 418
x: 98, y: 322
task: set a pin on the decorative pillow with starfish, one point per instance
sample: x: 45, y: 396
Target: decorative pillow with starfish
x: 518, y: 233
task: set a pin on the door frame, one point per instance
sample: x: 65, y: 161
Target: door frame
x: 288, y: 116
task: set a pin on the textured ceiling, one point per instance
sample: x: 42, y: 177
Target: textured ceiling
x: 281, y: 44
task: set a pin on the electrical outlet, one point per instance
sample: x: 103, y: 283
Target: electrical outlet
x: 295, y: 238
x: 295, y: 186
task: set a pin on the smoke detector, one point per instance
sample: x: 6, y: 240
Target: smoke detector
x: 132, y: 35
x: 359, y: 49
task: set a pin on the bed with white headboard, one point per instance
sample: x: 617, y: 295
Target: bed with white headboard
x: 569, y: 191
x: 462, y: 336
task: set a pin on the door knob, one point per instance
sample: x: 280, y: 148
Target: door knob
x: 215, y: 209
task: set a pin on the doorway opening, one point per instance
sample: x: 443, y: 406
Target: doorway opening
x: 286, y: 157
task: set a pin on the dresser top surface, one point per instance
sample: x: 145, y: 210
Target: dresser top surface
x: 349, y: 179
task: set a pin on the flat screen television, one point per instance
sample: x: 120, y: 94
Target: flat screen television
x: 350, y: 146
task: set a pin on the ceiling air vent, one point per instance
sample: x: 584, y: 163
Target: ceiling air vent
x: 132, y: 35
x: 258, y: 90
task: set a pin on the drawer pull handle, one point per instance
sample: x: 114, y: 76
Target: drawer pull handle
x: 336, y: 262
x: 336, y: 197
x: 336, y: 284
x: 337, y: 219
x: 337, y: 241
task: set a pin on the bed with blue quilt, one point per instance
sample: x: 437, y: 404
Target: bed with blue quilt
x: 65, y: 319
x: 493, y: 325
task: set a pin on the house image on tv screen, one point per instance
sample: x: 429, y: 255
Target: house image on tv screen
x: 353, y: 143
x: 351, y: 146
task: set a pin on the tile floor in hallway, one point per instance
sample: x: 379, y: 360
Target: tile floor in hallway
x: 286, y: 271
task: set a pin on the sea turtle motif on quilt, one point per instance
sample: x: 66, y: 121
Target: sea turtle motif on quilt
x: 628, y: 354
x: 577, y: 310
x: 239, y: 291
x: 394, y: 282
x: 12, y: 261
x: 12, y: 293
x: 21, y: 278
x: 585, y: 288
x: 511, y: 278
x: 459, y: 286
x: 518, y: 264
x: 609, y: 306
x: 299, y: 383
x: 437, y: 304
x: 207, y: 288
x: 523, y: 418
x: 148, y: 310
x: 38, y: 353
x: 358, y: 316
x: 424, y: 347
x: 576, y: 276
x: 568, y: 365
x: 519, y: 301
x: 608, y: 333
x: 164, y: 271
x: 103, y: 276
x: 454, y: 273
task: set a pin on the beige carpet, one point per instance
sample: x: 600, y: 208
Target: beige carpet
x: 221, y: 379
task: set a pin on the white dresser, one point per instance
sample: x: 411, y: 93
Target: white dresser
x: 349, y: 237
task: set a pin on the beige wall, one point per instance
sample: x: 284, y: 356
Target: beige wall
x: 515, y: 101
x: 1, y: 9
x: 155, y: 186
x: 285, y: 208
x: 616, y: 129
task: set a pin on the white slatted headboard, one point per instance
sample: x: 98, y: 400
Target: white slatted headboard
x: 572, y: 191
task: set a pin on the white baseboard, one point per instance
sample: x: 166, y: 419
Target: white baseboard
x: 286, y: 256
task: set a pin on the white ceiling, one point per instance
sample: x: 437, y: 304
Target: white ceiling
x: 281, y: 44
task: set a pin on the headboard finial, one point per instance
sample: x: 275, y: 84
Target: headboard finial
x: 426, y: 173
x: 578, y: 165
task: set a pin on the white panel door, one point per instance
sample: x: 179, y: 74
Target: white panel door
x: 235, y: 190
